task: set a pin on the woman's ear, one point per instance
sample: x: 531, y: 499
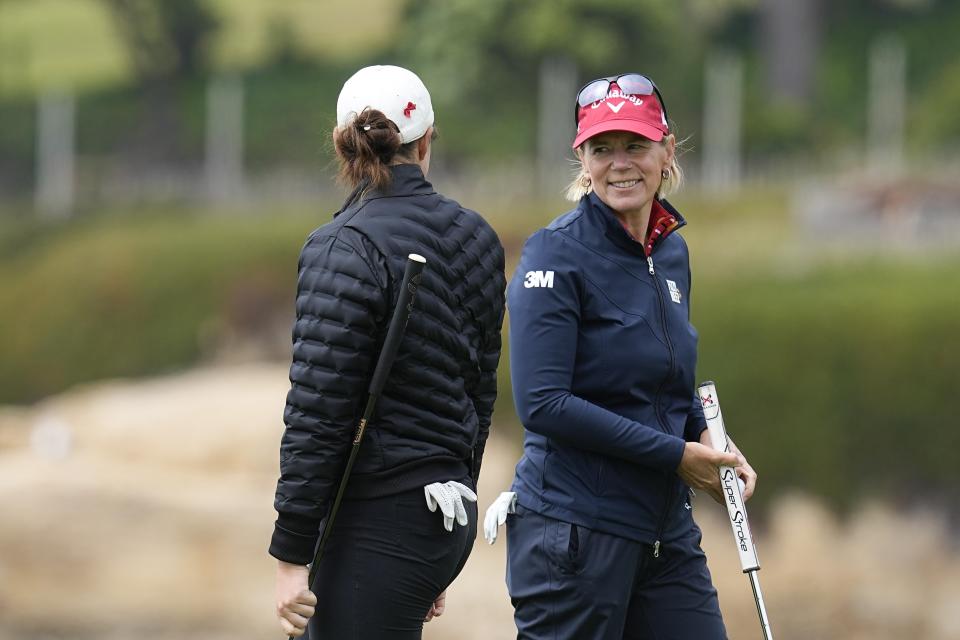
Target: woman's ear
x: 423, y: 144
x: 670, y: 144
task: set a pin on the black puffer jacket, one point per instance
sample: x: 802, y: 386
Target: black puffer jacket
x: 432, y: 420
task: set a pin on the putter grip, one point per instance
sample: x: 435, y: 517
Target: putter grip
x: 398, y: 323
x: 736, y: 509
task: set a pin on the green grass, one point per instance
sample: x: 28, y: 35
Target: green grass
x: 74, y: 44
x: 58, y: 44
x: 328, y: 30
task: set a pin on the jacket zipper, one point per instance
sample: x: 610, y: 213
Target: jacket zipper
x: 663, y: 519
x: 656, y: 403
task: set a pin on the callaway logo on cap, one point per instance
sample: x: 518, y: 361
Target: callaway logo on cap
x: 617, y: 110
x: 396, y: 92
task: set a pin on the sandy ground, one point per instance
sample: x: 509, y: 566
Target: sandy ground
x: 143, y: 509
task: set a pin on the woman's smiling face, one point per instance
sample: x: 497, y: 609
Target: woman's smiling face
x: 626, y: 169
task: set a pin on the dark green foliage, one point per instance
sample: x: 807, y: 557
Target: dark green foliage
x: 291, y: 112
x: 289, y: 116
x: 481, y: 61
x: 16, y: 146
x: 165, y: 38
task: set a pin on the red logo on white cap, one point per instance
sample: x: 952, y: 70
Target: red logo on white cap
x: 410, y: 107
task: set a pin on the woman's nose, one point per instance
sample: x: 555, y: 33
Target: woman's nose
x: 620, y: 158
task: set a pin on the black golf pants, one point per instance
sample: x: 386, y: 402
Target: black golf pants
x: 569, y: 582
x: 386, y: 561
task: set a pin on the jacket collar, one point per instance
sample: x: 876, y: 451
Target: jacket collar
x: 407, y: 180
x: 603, y: 214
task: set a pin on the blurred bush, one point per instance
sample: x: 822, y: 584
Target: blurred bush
x: 836, y: 378
x: 136, y: 295
x: 839, y: 379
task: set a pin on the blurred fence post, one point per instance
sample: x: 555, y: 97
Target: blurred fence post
x: 790, y: 33
x: 558, y: 83
x: 722, y: 116
x: 54, y: 196
x: 224, y: 139
x: 886, y: 110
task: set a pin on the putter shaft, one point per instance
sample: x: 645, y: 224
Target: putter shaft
x: 761, y: 608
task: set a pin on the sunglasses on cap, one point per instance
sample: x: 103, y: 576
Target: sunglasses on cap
x: 633, y: 84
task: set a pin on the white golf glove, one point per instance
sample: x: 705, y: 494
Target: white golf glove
x: 449, y: 497
x: 506, y: 503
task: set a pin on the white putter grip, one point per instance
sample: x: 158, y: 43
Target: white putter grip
x: 728, y: 479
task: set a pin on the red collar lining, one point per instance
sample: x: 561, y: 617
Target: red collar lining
x: 661, y: 223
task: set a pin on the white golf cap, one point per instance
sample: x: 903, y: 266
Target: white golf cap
x: 397, y: 92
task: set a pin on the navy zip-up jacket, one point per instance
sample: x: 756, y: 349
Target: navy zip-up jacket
x: 602, y: 357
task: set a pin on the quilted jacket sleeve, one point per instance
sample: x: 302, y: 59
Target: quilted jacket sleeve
x: 484, y: 395
x: 339, y: 307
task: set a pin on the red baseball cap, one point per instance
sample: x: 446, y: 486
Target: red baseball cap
x: 619, y: 111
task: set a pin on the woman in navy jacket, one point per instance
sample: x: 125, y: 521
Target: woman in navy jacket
x: 602, y: 543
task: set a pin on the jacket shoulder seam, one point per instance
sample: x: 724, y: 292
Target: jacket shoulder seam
x: 337, y: 236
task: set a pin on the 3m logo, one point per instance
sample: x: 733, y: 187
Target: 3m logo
x: 538, y: 279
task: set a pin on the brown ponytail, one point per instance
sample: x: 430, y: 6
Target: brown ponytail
x: 365, y: 148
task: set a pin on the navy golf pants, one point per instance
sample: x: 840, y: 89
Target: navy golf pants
x: 569, y: 582
x: 386, y: 561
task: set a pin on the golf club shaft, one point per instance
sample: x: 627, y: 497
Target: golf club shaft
x: 733, y: 498
x: 761, y: 608
x: 391, y: 344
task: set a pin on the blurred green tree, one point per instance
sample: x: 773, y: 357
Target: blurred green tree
x: 165, y: 38
x: 167, y: 41
x: 464, y: 45
x: 810, y: 57
x: 481, y: 59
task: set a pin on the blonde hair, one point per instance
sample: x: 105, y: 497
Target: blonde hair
x: 581, y: 186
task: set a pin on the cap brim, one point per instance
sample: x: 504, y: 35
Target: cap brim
x: 633, y: 126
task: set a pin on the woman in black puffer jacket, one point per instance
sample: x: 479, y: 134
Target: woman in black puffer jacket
x: 389, y: 558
